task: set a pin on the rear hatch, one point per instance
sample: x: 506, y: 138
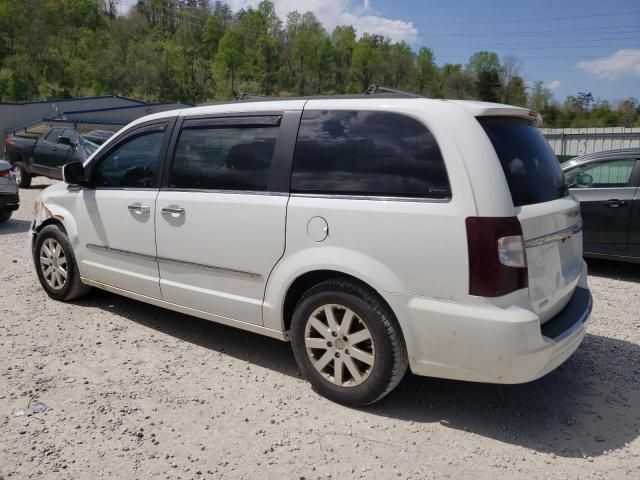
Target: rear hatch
x: 550, y: 220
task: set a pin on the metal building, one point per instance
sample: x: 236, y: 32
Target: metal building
x: 108, y: 112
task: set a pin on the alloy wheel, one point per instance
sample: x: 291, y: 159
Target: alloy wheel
x: 17, y: 173
x: 53, y: 263
x: 339, y: 345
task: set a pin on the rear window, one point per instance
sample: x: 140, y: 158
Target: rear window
x: 532, y: 169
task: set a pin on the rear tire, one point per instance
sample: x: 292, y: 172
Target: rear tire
x: 23, y: 178
x: 347, y: 342
x: 56, y: 265
x: 5, y: 214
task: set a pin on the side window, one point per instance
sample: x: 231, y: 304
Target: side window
x: 220, y: 158
x: 69, y: 133
x: 367, y: 153
x: 53, y: 135
x: 604, y: 174
x: 133, y: 164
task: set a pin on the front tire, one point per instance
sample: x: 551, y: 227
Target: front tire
x: 348, y: 343
x: 56, y: 265
x: 5, y: 214
x: 23, y: 178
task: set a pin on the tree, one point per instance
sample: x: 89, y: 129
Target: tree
x: 343, y: 40
x: 540, y: 97
x: 582, y: 102
x: 229, y: 58
x: 364, y: 61
x: 483, y: 62
x: 488, y: 86
x: 426, y: 72
x: 628, y: 112
x: 456, y: 82
x: 197, y: 50
x: 513, y: 90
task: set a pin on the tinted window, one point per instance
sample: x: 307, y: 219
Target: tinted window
x: 69, y: 133
x: 605, y: 174
x: 133, y: 164
x: 53, y: 135
x: 237, y: 158
x: 532, y: 169
x: 367, y: 153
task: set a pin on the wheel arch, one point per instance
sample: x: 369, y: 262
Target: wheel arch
x: 308, y: 280
x: 51, y: 214
x: 295, y: 274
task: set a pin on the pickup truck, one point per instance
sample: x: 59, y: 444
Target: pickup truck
x: 46, y: 155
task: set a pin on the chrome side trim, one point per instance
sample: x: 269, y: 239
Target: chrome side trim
x: 554, y: 237
x: 380, y: 198
x: 208, y: 267
x: 226, y: 192
x: 174, y: 261
x: 128, y: 253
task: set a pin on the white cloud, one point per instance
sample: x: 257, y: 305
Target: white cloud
x: 622, y: 62
x: 332, y: 13
x: 554, y: 85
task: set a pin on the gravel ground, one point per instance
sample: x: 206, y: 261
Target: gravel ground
x: 134, y: 391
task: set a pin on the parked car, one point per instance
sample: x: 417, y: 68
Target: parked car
x: 47, y: 154
x: 372, y: 232
x: 9, y: 200
x: 607, y: 184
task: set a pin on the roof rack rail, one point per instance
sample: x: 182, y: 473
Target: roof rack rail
x: 249, y: 96
x: 377, y: 87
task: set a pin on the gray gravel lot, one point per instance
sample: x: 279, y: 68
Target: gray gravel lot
x: 134, y: 391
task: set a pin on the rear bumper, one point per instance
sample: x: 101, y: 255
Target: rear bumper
x: 10, y: 201
x: 486, y: 343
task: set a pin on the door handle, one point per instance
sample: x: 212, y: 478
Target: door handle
x: 172, y: 210
x: 615, y: 203
x: 55, y: 149
x: 139, y: 208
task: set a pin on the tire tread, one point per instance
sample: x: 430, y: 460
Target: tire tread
x: 384, y: 316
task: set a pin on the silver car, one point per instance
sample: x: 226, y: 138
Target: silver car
x: 9, y: 200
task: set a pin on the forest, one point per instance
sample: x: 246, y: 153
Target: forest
x: 199, y: 50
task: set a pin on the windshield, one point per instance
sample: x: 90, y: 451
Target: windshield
x: 532, y: 169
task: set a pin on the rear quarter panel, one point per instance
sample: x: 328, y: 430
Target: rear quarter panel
x: 415, y: 247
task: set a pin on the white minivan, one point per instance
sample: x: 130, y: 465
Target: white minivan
x: 373, y: 232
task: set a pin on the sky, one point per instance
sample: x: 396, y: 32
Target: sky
x: 571, y: 45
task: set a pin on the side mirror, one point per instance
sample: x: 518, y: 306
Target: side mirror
x: 73, y: 174
x: 66, y: 141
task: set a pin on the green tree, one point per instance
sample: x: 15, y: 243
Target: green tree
x: 229, y: 58
x: 343, y: 39
x: 483, y: 61
x: 426, y: 72
x: 365, y: 61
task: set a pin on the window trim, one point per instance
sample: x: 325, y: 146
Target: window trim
x: 277, y: 182
x: 124, y: 138
x: 371, y: 195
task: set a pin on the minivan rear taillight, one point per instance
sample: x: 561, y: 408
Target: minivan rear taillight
x: 497, y: 261
x: 5, y: 173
